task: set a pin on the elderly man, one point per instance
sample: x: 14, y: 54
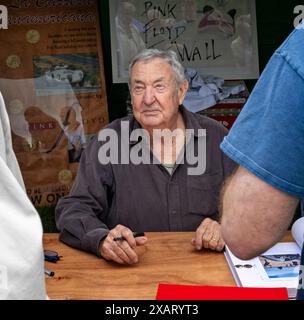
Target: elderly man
x: 110, y: 200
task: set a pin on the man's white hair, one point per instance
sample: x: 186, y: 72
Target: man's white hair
x: 169, y: 57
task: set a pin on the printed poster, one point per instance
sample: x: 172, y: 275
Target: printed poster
x: 52, y: 81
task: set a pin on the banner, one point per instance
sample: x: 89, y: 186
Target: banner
x: 52, y: 81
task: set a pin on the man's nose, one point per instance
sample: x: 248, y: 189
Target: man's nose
x: 149, y: 96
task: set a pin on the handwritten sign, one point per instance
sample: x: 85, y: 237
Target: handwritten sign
x: 216, y: 37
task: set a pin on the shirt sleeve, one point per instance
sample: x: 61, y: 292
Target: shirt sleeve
x: 80, y: 215
x: 268, y: 136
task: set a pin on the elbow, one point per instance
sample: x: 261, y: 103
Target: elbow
x: 234, y: 244
x: 238, y: 243
x: 240, y: 251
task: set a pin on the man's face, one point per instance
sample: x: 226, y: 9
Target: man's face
x: 154, y: 95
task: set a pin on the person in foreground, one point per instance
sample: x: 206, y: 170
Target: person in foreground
x: 21, y: 258
x: 160, y: 193
x: 267, y: 140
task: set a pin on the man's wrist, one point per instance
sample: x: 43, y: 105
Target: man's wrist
x: 100, y: 245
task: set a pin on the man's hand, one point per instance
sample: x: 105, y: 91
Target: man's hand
x: 121, y: 251
x: 208, y: 235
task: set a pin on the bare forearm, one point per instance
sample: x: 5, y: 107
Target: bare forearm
x: 255, y: 215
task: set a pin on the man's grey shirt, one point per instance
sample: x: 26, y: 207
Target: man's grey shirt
x: 143, y: 197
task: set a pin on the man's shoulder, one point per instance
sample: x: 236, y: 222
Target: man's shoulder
x: 296, y: 37
x: 116, y: 124
x: 292, y: 50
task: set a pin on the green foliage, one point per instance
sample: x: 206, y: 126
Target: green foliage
x: 47, y: 215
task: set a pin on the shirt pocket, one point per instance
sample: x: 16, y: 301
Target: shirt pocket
x: 203, y: 194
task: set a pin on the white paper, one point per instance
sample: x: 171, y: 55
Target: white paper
x: 275, y: 268
x: 297, y: 231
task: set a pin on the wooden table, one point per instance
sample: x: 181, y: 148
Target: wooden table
x: 168, y: 257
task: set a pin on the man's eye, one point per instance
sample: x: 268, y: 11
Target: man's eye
x: 160, y: 87
x: 138, y: 89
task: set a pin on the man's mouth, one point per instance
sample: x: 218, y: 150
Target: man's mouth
x: 151, y: 111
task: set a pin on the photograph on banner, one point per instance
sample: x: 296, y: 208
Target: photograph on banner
x: 52, y: 81
x: 216, y: 37
x: 65, y: 73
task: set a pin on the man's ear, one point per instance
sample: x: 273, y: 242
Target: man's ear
x: 183, y: 88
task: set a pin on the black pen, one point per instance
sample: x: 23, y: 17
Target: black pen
x: 135, y: 235
x: 49, y: 272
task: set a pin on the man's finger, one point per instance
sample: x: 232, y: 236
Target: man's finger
x: 129, y: 238
x: 111, y: 256
x: 199, y: 235
x: 121, y: 253
x: 220, y: 245
x: 208, y: 235
x: 128, y: 251
x: 213, y: 243
x: 140, y: 241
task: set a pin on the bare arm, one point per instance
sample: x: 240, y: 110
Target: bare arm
x: 255, y: 215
